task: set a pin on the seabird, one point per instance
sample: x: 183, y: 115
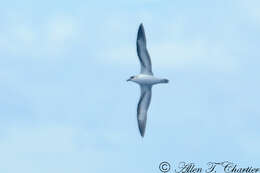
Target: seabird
x: 145, y: 80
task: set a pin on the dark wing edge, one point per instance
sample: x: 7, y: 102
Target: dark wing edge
x: 143, y: 105
x: 142, y: 52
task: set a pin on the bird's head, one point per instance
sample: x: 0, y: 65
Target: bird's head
x: 131, y: 78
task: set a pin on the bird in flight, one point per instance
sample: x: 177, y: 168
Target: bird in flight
x: 145, y: 80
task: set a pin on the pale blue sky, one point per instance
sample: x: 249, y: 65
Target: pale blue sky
x: 65, y: 105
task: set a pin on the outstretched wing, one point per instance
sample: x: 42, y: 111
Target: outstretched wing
x: 143, y: 105
x: 143, y: 55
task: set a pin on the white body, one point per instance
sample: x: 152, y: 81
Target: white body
x: 145, y: 79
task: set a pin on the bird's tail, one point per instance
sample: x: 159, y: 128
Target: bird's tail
x: 164, y: 81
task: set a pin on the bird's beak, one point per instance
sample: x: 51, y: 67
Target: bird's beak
x: 128, y: 79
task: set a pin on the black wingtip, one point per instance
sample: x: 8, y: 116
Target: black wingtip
x: 165, y: 81
x: 141, y: 34
x: 141, y: 128
x: 142, y: 133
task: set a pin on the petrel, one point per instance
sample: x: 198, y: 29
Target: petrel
x: 145, y: 80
